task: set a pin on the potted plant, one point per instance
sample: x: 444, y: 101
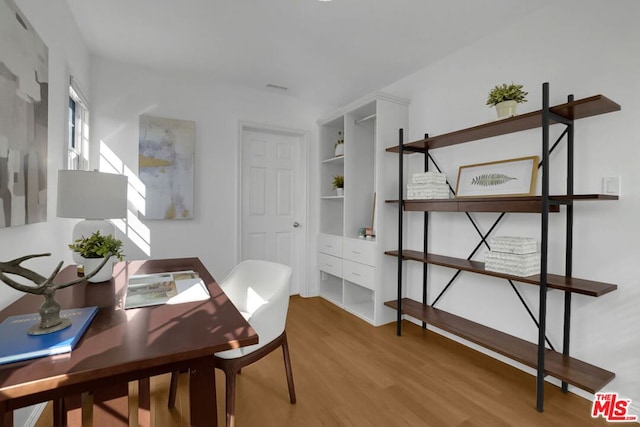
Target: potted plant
x: 94, y: 249
x: 338, y: 184
x: 506, y: 98
x: 339, y: 145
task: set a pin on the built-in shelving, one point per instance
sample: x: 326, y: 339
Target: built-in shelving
x: 568, y: 369
x: 334, y: 160
x: 352, y: 271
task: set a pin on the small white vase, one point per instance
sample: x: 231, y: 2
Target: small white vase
x: 105, y: 273
x: 506, y: 109
x: 340, y: 191
x: 339, y: 150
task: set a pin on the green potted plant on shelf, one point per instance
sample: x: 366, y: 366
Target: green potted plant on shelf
x: 94, y: 249
x: 338, y: 184
x: 339, y: 145
x: 506, y: 98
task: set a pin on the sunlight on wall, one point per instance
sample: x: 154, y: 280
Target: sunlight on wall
x: 132, y: 227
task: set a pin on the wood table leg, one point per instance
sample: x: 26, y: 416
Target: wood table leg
x: 202, y: 393
x: 6, y: 416
x: 144, y: 402
x: 67, y: 411
x: 111, y: 406
x: 59, y: 415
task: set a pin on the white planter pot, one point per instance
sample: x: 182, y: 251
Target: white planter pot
x: 506, y: 109
x: 339, y: 150
x: 105, y: 273
x: 340, y: 191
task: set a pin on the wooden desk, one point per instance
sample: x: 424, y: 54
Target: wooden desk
x: 121, y: 346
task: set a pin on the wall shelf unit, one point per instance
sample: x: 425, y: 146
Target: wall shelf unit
x: 545, y: 359
x: 352, y: 270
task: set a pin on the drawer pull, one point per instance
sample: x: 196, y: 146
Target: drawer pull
x: 356, y: 252
x: 329, y: 265
x: 355, y: 274
x: 328, y: 246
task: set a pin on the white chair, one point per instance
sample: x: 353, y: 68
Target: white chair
x: 260, y: 291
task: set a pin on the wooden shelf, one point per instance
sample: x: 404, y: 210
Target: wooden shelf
x: 573, y: 371
x: 554, y: 281
x: 525, y: 204
x: 592, y: 106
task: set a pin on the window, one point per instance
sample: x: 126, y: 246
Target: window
x: 78, y: 132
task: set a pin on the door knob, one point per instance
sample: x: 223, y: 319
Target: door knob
x: 296, y: 224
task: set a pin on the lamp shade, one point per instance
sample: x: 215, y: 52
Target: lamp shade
x: 91, y: 195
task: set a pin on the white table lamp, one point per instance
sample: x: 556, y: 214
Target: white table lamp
x: 93, y: 196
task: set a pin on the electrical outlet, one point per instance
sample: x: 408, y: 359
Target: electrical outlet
x: 612, y: 185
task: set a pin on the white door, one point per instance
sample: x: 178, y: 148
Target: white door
x: 273, y: 199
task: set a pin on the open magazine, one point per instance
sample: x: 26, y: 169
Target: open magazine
x: 164, y: 288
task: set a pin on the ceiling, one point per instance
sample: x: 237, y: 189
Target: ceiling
x: 323, y: 52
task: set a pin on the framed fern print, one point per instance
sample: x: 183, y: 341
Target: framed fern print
x: 512, y: 177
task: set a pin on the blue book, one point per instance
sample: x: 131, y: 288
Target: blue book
x: 18, y: 345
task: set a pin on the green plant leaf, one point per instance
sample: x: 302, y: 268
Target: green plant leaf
x: 338, y: 181
x: 504, y: 92
x: 98, y: 246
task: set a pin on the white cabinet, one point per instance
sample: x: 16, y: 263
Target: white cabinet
x: 361, y: 251
x: 360, y: 274
x: 330, y: 245
x: 330, y: 264
x: 354, y: 273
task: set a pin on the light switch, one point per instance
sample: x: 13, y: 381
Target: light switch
x: 612, y: 185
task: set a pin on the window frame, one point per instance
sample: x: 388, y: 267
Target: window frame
x: 77, y: 147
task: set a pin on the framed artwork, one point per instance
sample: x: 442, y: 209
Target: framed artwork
x: 512, y: 177
x: 165, y: 167
x: 24, y: 117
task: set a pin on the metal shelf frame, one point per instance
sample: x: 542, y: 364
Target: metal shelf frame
x: 564, y: 115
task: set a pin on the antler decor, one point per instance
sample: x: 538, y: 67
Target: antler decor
x: 50, y: 320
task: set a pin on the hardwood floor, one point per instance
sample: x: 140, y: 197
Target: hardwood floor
x: 348, y: 373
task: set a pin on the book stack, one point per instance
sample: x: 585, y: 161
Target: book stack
x: 428, y: 185
x: 513, y: 255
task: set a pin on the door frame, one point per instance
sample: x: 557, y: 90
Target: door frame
x: 303, y: 156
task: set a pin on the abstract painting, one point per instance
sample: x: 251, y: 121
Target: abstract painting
x: 24, y: 90
x: 165, y: 167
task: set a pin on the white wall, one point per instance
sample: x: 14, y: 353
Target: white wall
x: 121, y: 92
x: 580, y: 47
x: 67, y: 55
